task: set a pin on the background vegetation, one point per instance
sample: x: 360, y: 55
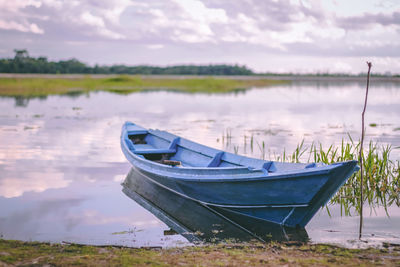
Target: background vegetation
x: 23, y: 63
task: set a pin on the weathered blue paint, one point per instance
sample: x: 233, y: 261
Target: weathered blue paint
x: 282, y: 193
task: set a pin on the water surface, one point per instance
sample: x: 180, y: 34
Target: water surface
x: 61, y: 165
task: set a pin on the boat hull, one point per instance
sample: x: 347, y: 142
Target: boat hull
x: 289, y: 212
x: 282, y: 193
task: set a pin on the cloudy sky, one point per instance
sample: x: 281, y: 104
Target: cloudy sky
x: 265, y: 35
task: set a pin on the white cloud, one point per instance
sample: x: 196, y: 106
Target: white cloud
x: 16, y: 5
x: 35, y: 29
x: 272, y: 24
x: 14, y: 18
x: 91, y: 20
x: 12, y: 25
x: 99, y: 24
x: 113, y: 14
x: 191, y: 21
x: 196, y: 10
x: 344, y: 8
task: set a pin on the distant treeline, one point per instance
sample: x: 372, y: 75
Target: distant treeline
x: 23, y: 63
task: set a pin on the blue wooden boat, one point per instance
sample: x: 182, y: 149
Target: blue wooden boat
x: 283, y: 193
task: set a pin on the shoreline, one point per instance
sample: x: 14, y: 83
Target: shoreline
x: 15, y: 253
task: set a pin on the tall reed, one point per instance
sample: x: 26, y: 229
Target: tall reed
x: 381, y: 184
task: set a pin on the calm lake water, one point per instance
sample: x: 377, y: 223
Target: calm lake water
x: 61, y: 166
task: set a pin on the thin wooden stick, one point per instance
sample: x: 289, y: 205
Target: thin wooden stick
x: 361, y: 152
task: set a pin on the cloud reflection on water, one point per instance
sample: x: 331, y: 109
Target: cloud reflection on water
x: 33, y: 181
x: 70, y: 157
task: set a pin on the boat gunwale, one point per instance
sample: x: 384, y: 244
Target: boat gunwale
x: 215, y: 174
x: 220, y: 174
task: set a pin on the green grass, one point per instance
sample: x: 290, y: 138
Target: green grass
x: 123, y: 84
x: 18, y: 253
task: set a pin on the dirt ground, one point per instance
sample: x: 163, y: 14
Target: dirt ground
x: 18, y: 253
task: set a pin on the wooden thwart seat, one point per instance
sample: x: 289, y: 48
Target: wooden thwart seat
x: 269, y: 166
x: 145, y: 149
x: 216, y: 160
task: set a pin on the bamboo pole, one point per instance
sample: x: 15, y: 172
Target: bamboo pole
x: 361, y: 152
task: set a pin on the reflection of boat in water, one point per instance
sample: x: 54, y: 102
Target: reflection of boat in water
x: 199, y: 223
x: 276, y: 192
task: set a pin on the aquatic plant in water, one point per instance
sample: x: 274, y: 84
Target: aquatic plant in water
x: 381, y: 183
x: 381, y: 174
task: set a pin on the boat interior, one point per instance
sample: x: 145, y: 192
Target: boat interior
x: 165, y: 148
x: 171, y: 152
